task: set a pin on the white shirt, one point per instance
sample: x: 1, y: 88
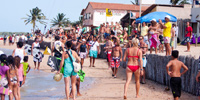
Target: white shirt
x: 176, y: 31
x: 20, y: 53
x: 23, y: 37
x: 94, y: 45
x: 17, y: 38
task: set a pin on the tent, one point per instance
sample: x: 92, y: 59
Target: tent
x: 155, y: 15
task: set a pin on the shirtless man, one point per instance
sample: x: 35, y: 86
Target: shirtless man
x: 144, y: 48
x: 175, y: 67
x: 108, y: 48
x: 107, y: 30
x: 116, y: 58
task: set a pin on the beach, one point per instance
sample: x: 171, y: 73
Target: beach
x: 105, y: 87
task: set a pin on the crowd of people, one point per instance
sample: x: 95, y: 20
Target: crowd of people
x: 75, y: 45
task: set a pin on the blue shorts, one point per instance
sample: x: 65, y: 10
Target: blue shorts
x: 106, y: 34
x: 187, y: 39
x: 93, y: 53
x: 144, y: 62
x: 68, y: 71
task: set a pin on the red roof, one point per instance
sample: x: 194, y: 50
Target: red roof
x: 116, y: 6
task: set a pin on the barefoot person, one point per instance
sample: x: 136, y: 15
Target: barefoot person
x: 36, y: 44
x: 116, y: 58
x: 133, y: 66
x: 166, y: 33
x: 68, y: 69
x: 78, y: 83
x: 188, y: 36
x: 144, y: 48
x: 108, y: 49
x: 94, y: 51
x: 83, y: 49
x: 175, y: 67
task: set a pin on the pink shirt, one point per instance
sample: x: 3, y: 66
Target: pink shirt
x: 3, y: 70
x: 20, y: 72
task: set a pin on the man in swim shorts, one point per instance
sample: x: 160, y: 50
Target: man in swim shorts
x: 116, y: 57
x: 144, y: 48
x: 108, y: 48
x: 94, y: 51
x: 175, y: 67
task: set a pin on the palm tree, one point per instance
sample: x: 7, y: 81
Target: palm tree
x: 60, y: 20
x: 174, y: 2
x: 184, y: 2
x: 180, y: 2
x: 36, y: 16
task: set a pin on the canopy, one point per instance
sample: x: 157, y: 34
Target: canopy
x: 155, y: 15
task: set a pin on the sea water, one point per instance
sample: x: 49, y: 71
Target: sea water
x: 40, y: 85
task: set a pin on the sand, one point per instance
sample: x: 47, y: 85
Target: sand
x: 108, y: 88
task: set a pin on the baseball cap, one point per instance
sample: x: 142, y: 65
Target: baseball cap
x: 167, y: 17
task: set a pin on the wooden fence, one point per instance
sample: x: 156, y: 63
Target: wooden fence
x: 156, y: 70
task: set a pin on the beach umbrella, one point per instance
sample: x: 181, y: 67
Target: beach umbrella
x: 155, y: 15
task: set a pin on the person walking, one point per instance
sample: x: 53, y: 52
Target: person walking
x: 134, y: 65
x: 166, y: 33
x: 94, y: 51
x: 188, y: 36
x: 69, y: 69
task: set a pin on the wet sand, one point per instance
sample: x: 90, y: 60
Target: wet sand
x: 106, y: 87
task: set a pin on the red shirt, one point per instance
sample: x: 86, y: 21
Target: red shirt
x: 189, y: 31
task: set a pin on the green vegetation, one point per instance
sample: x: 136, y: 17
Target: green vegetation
x: 60, y: 20
x: 179, y: 2
x: 36, y: 16
x: 10, y: 33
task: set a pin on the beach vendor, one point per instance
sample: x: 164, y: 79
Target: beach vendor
x: 36, y: 45
x: 57, y: 49
x: 154, y: 42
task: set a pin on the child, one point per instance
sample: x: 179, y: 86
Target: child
x: 13, y: 71
x: 20, y: 73
x: 26, y: 68
x: 175, y: 67
x: 4, y: 73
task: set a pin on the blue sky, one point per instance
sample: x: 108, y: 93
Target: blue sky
x: 13, y: 10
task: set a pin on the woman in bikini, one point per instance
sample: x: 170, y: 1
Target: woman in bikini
x: 134, y: 54
x: 14, y: 79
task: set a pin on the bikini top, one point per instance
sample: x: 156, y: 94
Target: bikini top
x: 133, y: 56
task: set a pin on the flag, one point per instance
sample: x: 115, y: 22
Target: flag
x: 47, y: 51
x: 108, y: 12
x: 132, y: 15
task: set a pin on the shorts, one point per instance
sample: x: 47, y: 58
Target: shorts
x: 106, y: 34
x: 93, y: 53
x: 37, y: 60
x: 115, y: 62
x: 175, y: 83
x: 83, y: 54
x: 144, y: 61
x: 166, y: 39
x: 187, y: 39
x: 20, y: 83
x: 10, y: 41
x: 172, y: 43
x: 108, y: 55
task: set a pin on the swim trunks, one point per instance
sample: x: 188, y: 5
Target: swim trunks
x: 175, y: 83
x: 115, y: 62
x: 166, y: 39
x: 93, y: 53
x: 108, y: 55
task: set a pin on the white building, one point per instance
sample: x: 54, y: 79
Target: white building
x: 95, y: 13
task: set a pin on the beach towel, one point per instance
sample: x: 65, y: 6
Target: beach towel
x: 154, y: 42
